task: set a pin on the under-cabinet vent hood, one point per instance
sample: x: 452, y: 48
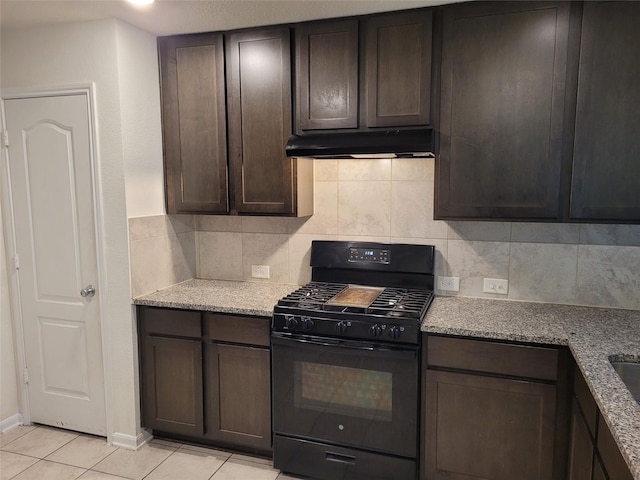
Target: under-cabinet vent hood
x: 378, y: 144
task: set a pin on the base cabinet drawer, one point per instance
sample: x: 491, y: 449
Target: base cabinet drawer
x: 314, y: 459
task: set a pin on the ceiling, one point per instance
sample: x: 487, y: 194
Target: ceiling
x: 166, y: 17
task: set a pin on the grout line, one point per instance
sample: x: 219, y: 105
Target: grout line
x: 103, y: 459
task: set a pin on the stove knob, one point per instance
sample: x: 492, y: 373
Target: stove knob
x: 307, y: 323
x: 375, y: 330
x: 341, y: 327
x: 291, y: 322
x: 395, y: 332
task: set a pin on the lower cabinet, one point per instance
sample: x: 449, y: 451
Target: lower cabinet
x: 494, y: 411
x: 173, y: 365
x: 593, y: 454
x: 206, y: 377
x: 581, y: 452
x: 238, y: 382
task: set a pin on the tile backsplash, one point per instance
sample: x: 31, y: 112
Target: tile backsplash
x: 392, y: 201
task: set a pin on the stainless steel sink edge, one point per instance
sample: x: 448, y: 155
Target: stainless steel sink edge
x: 628, y: 369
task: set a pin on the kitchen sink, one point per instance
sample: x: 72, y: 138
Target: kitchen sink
x: 629, y: 372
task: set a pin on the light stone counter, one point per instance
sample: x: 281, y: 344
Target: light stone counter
x: 245, y: 298
x: 594, y: 335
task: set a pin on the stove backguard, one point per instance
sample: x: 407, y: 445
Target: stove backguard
x: 370, y: 263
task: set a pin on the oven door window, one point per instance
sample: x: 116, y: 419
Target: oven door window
x: 356, y: 392
x: 346, y: 394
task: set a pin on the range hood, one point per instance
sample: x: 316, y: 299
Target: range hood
x: 378, y: 144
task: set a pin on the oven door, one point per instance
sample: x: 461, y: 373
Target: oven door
x: 348, y: 393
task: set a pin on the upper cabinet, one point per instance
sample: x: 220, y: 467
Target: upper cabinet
x: 250, y: 109
x: 361, y: 74
x: 606, y: 155
x: 397, y: 69
x: 194, y: 123
x: 538, y: 112
x: 327, y: 75
x: 503, y: 91
x: 262, y: 179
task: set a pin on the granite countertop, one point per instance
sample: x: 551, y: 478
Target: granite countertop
x: 594, y: 335
x: 245, y: 298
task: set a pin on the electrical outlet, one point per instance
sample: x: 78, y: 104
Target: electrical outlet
x: 496, y: 285
x: 449, y: 284
x: 260, y: 271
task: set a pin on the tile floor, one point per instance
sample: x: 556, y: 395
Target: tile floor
x: 44, y: 453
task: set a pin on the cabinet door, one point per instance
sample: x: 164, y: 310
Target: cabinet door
x: 194, y: 123
x: 598, y: 470
x: 580, y: 448
x: 238, y: 391
x: 397, y: 75
x: 488, y: 428
x: 504, y: 69
x: 613, y: 462
x: 172, y: 400
x: 259, y: 93
x: 327, y: 76
x: 606, y: 173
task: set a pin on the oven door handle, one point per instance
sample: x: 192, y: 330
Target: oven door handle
x: 288, y: 339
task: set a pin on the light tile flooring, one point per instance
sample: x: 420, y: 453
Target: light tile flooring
x: 43, y: 453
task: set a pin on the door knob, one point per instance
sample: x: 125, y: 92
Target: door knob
x: 88, y: 291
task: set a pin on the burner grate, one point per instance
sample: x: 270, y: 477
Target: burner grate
x: 405, y: 303
x: 391, y: 302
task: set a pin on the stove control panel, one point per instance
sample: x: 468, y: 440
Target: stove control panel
x: 347, y: 329
x: 369, y: 255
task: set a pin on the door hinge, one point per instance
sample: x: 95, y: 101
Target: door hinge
x: 25, y: 376
x: 5, y: 138
x: 16, y: 262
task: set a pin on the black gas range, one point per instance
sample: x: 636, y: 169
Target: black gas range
x: 354, y: 311
x: 345, y: 362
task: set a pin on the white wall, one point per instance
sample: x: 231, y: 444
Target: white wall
x: 9, y: 406
x: 127, y: 123
x: 140, y: 116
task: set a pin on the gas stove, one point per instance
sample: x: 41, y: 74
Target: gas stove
x: 361, y: 291
x: 390, y: 314
x: 345, y: 360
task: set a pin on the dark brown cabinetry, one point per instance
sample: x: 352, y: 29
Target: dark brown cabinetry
x: 170, y: 362
x: 263, y: 180
x: 238, y: 376
x: 224, y: 137
x: 493, y: 410
x: 581, y: 453
x: 593, y: 453
x: 194, y: 123
x: 392, y: 52
x: 206, y: 377
x: 327, y: 75
x: 502, y: 111
x: 606, y: 173
x: 397, y: 72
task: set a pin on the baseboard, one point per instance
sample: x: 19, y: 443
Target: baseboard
x: 130, y: 442
x: 10, y: 423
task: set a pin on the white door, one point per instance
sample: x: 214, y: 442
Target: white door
x: 50, y: 164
